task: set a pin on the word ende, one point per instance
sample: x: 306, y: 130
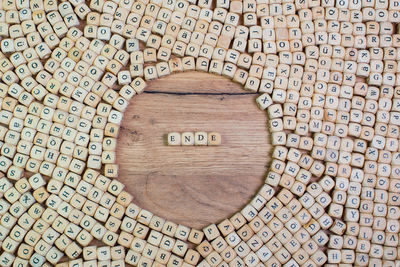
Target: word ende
x: 194, y: 139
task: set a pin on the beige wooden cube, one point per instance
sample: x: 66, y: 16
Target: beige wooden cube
x: 187, y: 138
x: 200, y: 138
x: 214, y: 139
x: 174, y: 139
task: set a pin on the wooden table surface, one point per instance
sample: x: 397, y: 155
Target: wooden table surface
x: 194, y: 186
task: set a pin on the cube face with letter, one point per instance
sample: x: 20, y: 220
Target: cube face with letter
x: 214, y: 139
x: 174, y: 139
x: 200, y: 138
x: 187, y: 139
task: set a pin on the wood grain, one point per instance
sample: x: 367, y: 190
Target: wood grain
x: 193, y: 186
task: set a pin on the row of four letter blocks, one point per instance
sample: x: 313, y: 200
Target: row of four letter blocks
x: 194, y: 139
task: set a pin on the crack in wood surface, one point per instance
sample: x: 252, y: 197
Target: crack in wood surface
x: 197, y: 93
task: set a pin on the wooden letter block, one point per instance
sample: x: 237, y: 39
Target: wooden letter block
x: 214, y: 139
x: 200, y: 138
x: 188, y: 139
x: 174, y: 139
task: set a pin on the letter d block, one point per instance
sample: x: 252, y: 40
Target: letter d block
x: 200, y: 138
